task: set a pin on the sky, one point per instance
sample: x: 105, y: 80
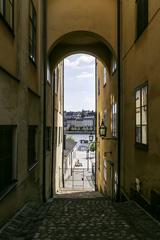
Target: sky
x: 79, y: 82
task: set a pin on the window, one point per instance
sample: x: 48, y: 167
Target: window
x: 99, y: 120
x: 113, y: 66
x: 7, y: 157
x: 104, y: 76
x: 142, y: 16
x: 31, y: 146
x: 105, y: 171
x: 99, y: 90
x: 56, y: 79
x: 114, y: 117
x: 99, y: 165
x: 55, y: 140
x: 59, y: 135
x: 48, y: 138
x: 48, y: 73
x: 7, y: 11
x: 141, y: 115
x: 32, y: 33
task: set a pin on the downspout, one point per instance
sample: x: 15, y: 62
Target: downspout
x: 44, y: 34
x: 53, y: 134
x: 64, y: 136
x: 119, y: 95
x: 96, y: 104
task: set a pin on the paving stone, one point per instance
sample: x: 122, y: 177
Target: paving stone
x: 84, y: 216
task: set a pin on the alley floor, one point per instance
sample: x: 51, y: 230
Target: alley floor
x: 81, y: 216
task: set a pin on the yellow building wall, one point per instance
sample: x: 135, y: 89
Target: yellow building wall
x: 140, y: 64
x: 106, y: 149
x: 20, y: 104
x: 93, y: 16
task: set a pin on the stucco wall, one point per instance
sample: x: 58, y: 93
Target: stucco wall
x: 141, y: 64
x: 65, y: 17
x: 20, y: 104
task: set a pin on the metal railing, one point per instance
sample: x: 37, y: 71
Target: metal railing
x: 77, y: 178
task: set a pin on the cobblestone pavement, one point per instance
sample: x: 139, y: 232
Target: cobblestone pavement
x: 88, y: 217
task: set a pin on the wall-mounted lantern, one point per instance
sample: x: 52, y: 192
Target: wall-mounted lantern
x: 102, y: 130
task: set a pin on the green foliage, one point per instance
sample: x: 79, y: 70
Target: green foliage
x: 70, y: 138
x: 93, y: 147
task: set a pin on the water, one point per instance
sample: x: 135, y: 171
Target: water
x: 78, y: 137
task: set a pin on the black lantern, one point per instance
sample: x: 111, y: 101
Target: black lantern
x: 102, y: 129
x: 90, y: 138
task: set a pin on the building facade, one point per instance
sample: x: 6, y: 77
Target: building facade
x: 124, y: 35
x: 106, y: 154
x: 140, y: 63
x: 21, y: 75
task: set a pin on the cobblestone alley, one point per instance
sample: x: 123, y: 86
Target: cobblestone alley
x: 81, y: 216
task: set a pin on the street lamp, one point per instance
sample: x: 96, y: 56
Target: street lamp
x: 90, y: 138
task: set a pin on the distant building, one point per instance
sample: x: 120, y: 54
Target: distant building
x: 79, y: 121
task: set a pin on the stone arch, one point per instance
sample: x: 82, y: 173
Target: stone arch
x: 81, y: 42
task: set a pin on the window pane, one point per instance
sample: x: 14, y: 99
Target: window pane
x: 8, y: 12
x: 144, y: 134
x: 1, y: 6
x: 144, y: 96
x: 98, y: 87
x: 31, y: 146
x: 138, y: 98
x: 32, y: 32
x: 34, y: 19
x: 144, y: 115
x: 6, y: 144
x: 138, y: 134
x: 138, y: 116
x: 31, y: 10
x: 105, y: 76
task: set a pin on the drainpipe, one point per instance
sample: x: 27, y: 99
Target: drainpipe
x: 44, y: 36
x: 53, y: 134
x: 95, y: 124
x: 119, y: 94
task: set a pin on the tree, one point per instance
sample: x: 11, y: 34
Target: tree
x: 93, y: 147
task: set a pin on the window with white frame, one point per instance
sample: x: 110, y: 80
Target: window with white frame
x: 48, y: 73
x: 114, y: 118
x: 56, y: 79
x: 104, y: 76
x: 142, y: 115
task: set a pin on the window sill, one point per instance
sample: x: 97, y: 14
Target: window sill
x: 10, y: 29
x: 141, y: 146
x: 33, y: 166
x: 4, y: 193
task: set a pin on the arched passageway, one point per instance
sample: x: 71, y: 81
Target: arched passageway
x: 79, y: 28
x: 95, y: 45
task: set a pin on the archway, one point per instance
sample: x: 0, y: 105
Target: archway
x: 81, y: 42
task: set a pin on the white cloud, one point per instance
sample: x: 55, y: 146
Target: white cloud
x: 85, y: 75
x: 80, y: 62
